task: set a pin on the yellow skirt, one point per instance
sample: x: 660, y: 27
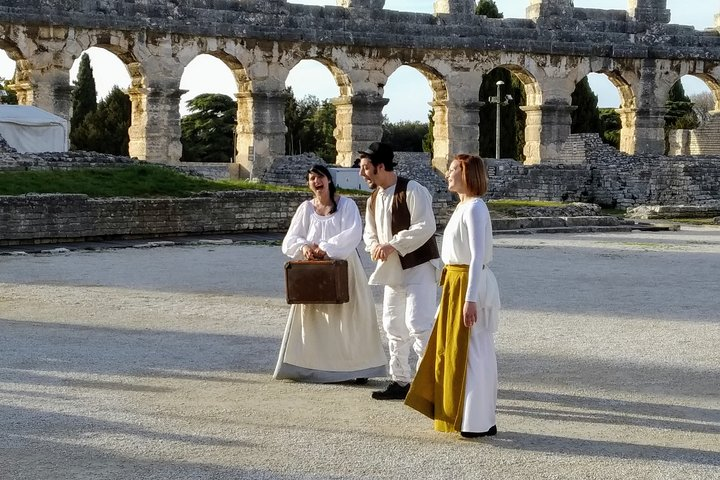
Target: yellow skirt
x: 438, y: 390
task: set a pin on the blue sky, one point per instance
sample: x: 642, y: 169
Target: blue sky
x: 407, y: 89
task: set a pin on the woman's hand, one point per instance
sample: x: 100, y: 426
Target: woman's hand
x: 469, y: 314
x: 308, y: 251
x: 319, y: 253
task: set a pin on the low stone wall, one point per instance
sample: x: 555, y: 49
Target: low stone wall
x: 56, y: 218
x: 13, y: 161
x: 610, y: 178
x: 513, y: 180
x: 51, y: 218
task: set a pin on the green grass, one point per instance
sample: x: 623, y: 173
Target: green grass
x: 146, y: 181
x: 509, y: 205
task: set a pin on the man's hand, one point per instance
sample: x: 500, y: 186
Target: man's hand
x: 382, y: 252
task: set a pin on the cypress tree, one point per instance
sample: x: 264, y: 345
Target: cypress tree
x: 106, y: 129
x: 518, y: 93
x: 84, y: 100
x: 679, y: 113
x: 586, y: 117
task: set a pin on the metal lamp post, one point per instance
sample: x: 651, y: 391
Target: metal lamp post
x: 498, y: 103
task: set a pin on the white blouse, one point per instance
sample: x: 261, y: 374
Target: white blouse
x: 468, y: 241
x: 337, y: 234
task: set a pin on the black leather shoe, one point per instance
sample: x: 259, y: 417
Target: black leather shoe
x: 394, y: 391
x: 361, y: 381
x: 489, y: 433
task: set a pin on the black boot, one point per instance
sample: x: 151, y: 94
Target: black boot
x: 394, y: 391
x: 489, y: 433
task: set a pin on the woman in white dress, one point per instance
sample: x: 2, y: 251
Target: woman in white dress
x: 456, y: 383
x: 326, y: 343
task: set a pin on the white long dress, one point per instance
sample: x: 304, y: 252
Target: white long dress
x: 467, y: 240
x: 327, y: 342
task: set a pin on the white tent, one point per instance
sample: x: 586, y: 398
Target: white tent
x: 31, y: 129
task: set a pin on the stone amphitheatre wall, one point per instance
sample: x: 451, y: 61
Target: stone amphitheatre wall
x: 362, y: 44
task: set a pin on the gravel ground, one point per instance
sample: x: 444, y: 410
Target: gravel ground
x: 156, y: 363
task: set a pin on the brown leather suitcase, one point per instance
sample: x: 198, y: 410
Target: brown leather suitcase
x: 316, y: 281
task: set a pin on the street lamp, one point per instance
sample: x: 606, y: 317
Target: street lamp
x: 499, y: 102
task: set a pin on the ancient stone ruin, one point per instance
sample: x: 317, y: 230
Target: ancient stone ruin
x: 362, y: 44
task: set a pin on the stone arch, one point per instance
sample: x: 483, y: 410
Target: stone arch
x: 337, y: 64
x: 713, y: 85
x: 626, y: 97
x: 342, y: 79
x: 704, y: 139
x: 533, y: 90
x: 137, y: 91
x: 236, y: 67
x: 625, y: 90
x: 545, y: 124
x: 329, y: 83
x: 439, y: 105
x: 510, y: 108
x: 224, y: 82
x: 12, y: 52
x: 625, y: 76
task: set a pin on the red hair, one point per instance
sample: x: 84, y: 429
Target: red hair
x: 474, y: 173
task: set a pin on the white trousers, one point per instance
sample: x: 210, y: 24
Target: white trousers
x: 408, y: 318
x: 480, y: 382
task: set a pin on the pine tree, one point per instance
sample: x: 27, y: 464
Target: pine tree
x: 84, y: 100
x: 208, y: 131
x: 586, y: 117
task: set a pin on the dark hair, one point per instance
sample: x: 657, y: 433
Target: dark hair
x: 322, y: 170
x: 379, y: 154
x: 474, y: 173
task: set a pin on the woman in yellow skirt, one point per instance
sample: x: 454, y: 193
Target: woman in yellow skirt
x: 456, y: 383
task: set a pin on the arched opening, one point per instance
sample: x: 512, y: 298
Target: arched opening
x: 502, y: 121
x: 691, y: 118
x: 208, y: 111
x: 407, y: 117
x: 7, y: 73
x: 107, y: 69
x: 101, y: 108
x: 310, y: 114
x: 597, y: 99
